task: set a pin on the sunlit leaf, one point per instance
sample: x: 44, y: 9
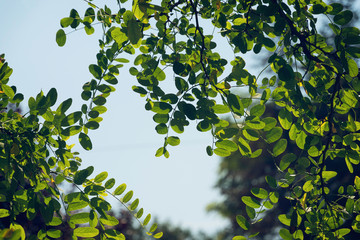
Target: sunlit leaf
x: 86, y: 232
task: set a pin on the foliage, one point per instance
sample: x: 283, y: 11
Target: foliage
x: 315, y: 84
x: 35, y: 158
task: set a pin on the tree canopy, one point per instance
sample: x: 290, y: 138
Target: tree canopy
x: 313, y: 82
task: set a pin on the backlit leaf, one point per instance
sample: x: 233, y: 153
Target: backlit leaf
x: 251, y: 202
x: 80, y: 218
x: 259, y: 192
x: 173, y: 141
x: 274, y: 134
x: 227, y: 144
x: 100, y: 177
x: 85, y: 141
x: 128, y: 196
x: 86, y: 232
x: 120, y: 189
x: 280, y: 147
x: 243, y: 223
x: 60, y: 37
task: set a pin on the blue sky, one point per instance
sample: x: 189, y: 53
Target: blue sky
x: 175, y: 189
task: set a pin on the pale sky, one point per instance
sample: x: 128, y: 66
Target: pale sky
x: 175, y: 189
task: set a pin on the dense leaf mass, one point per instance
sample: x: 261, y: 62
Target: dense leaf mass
x: 313, y: 82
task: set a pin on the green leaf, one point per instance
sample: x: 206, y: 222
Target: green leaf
x: 285, y: 234
x: 301, y: 139
x: 4, y: 213
x: 235, y: 104
x: 92, y: 125
x: 274, y: 134
x: 71, y: 131
x: 255, y: 123
x: 357, y: 182
x: 222, y: 152
x: 336, y: 8
x: 189, y: 110
x: 56, y: 221
x: 257, y: 110
x: 147, y: 219
x: 153, y: 228
x: 250, y: 134
x: 99, y: 100
x: 173, y: 141
x: 251, y: 202
x: 271, y: 181
x: 318, y: 9
x: 160, y: 152
x: 342, y: 232
x: 110, y: 183
x: 8, y: 91
x: 99, y: 109
x: 79, y: 218
x: 120, y: 189
x: 71, y: 119
x: 250, y: 212
x: 161, y: 107
x: 85, y: 141
x: 52, y: 96
x: 54, y: 233
x: 260, y: 193
x: 109, y: 220
x: 64, y: 106
x: 158, y: 235
x: 240, y: 42
x: 161, y: 128
x: 327, y: 175
x: 244, y: 147
x: 286, y: 160
x: 227, y: 145
x: 139, y: 213
x: 101, y: 177
x: 285, y: 118
x: 139, y: 90
x: 178, y: 67
x: 74, y: 206
x: 308, y: 186
x: 86, y: 232
x: 119, y: 36
x: 96, y: 71
x: 286, y: 74
x: 60, y: 37
x: 65, y: 22
x: 280, y: 147
x: 353, y: 68
x: 239, y: 238
x: 93, y: 218
x: 134, y: 32
x: 284, y: 219
x: 209, y: 150
x: 220, y: 109
x: 80, y: 176
x: 243, y: 223
x: 134, y: 204
x: 161, y: 118
x: 343, y: 17
x: 270, y: 123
